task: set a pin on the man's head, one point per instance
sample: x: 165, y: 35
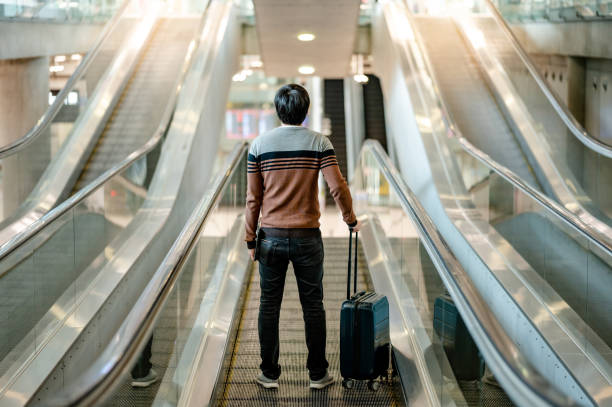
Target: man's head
x: 292, y: 103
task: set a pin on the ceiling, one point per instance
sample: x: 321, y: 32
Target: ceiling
x: 333, y: 22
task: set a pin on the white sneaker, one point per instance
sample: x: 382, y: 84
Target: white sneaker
x: 145, y: 381
x: 322, y: 383
x: 266, y: 383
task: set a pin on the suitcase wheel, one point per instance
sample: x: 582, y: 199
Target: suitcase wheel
x: 373, y: 385
x: 348, y: 383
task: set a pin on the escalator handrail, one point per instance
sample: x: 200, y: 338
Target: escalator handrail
x: 33, y: 229
x: 125, y: 346
x: 600, y: 240
x: 561, y: 108
x: 47, y: 118
x: 534, y: 388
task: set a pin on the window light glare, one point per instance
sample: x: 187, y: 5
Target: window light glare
x: 256, y: 64
x: 306, y: 37
x: 306, y: 69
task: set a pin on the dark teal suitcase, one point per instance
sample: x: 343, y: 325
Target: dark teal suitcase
x: 364, y: 333
x: 461, y: 350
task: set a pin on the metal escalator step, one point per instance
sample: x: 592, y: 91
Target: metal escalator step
x: 239, y: 386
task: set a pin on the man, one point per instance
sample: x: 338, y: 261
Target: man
x: 282, y: 174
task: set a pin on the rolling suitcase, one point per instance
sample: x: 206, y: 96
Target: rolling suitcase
x: 461, y: 350
x: 364, y: 333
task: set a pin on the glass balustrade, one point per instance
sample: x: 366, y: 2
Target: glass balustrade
x: 21, y: 171
x: 43, y: 280
x: 184, y: 321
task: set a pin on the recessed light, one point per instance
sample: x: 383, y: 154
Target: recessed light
x: 360, y: 78
x: 306, y: 37
x: 60, y: 58
x: 306, y: 69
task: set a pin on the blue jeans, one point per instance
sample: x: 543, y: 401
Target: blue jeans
x: 306, y: 255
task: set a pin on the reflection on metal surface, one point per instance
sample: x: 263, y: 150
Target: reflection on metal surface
x: 523, y: 383
x: 92, y: 272
x: 510, y: 281
x: 104, y: 375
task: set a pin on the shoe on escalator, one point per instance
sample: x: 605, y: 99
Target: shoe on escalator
x: 145, y: 381
x: 266, y: 382
x: 322, y: 382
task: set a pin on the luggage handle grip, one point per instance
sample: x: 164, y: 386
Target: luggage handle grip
x: 348, y: 282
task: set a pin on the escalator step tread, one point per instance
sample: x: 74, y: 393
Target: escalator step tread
x: 240, y: 388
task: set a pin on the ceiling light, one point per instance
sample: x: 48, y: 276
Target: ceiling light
x: 239, y: 77
x: 60, y: 58
x: 306, y: 69
x: 306, y: 37
x: 56, y: 68
x: 256, y: 64
x: 76, y: 57
x: 360, y: 78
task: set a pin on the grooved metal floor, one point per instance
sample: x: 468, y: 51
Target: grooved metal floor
x: 240, y: 388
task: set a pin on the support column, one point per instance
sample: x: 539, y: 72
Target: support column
x: 24, y: 90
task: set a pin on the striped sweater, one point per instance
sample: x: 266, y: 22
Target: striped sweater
x: 282, y: 180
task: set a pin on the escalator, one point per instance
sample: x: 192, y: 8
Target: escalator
x: 136, y: 115
x: 493, y: 96
x: 71, y: 277
x: 471, y: 103
x: 125, y: 82
x: 483, y: 118
x: 519, y: 246
x: 201, y: 309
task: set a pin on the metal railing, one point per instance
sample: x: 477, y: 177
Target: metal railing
x: 599, y: 239
x: 102, y: 376
x: 561, y: 108
x: 47, y: 118
x: 527, y: 384
x: 16, y: 242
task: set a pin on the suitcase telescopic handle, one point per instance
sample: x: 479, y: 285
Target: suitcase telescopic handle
x: 348, y: 279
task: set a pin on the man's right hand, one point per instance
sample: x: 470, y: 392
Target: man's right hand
x: 357, y: 227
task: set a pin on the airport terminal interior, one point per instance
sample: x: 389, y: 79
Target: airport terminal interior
x: 475, y: 136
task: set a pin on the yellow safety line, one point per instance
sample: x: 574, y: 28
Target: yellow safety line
x: 237, y: 343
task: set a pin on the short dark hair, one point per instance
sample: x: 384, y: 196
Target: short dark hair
x: 292, y: 103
